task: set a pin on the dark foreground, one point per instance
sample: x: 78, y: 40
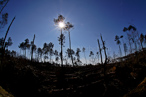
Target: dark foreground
x: 23, y: 78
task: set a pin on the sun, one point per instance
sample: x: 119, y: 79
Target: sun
x: 61, y: 24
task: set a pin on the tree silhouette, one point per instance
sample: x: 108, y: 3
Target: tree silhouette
x: 33, y: 47
x: 78, y: 55
x: 145, y: 39
x: 117, y: 39
x: 45, y: 49
x: 131, y: 27
x: 97, y: 54
x: 3, y: 22
x: 125, y: 48
x: 59, y: 19
x: 13, y: 53
x: 3, y: 44
x: 50, y: 49
x: 100, y: 51
x: 26, y: 45
x: 61, y: 40
x: 57, y: 59
x: 45, y: 58
x: 132, y: 37
x: 106, y: 59
x: 40, y: 52
x: 62, y: 37
x: 4, y: 19
x: 141, y: 40
x: 92, y: 56
x: 3, y: 3
x: 22, y: 47
x: 67, y: 28
x: 56, y: 56
x: 70, y: 53
x: 8, y: 43
x: 83, y: 50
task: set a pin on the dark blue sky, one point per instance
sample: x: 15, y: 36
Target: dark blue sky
x: 89, y: 17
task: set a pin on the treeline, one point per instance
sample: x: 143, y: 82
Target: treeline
x: 29, y: 50
x: 134, y: 41
x: 47, y: 53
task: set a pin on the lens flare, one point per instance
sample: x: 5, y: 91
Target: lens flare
x: 61, y: 24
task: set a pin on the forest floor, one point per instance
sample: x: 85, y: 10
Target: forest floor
x: 24, y: 78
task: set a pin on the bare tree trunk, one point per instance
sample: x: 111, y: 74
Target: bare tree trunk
x: 141, y: 45
x: 100, y: 51
x: 25, y: 53
x: 32, y: 48
x: 130, y: 47
x: 140, y: 41
x: 3, y: 45
x: 135, y: 45
x: 20, y: 51
x: 85, y: 57
x: 103, y: 42
x: 70, y: 48
x: 4, y: 6
x: 50, y: 59
x: 125, y: 53
x: 120, y: 51
x: 61, y: 49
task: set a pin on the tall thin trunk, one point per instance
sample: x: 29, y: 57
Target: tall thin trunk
x: 50, y: 58
x: 130, y: 47
x: 20, y: 51
x: 44, y: 59
x: 124, y: 48
x: 41, y: 57
x: 129, y: 43
x: 125, y: 52
x: 135, y: 45
x: 104, y: 49
x: 70, y: 48
x: 141, y: 45
x: 25, y: 53
x: 120, y: 51
x: 100, y: 51
x: 139, y: 40
x: 32, y: 47
x: 38, y: 57
x: 61, y: 49
x: 97, y: 58
x: 105, y: 55
x: 85, y: 57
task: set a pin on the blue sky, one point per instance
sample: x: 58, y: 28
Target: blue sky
x: 89, y: 17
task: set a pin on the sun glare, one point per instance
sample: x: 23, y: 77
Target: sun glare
x: 61, y: 24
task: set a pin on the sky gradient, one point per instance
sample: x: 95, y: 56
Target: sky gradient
x: 89, y: 17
